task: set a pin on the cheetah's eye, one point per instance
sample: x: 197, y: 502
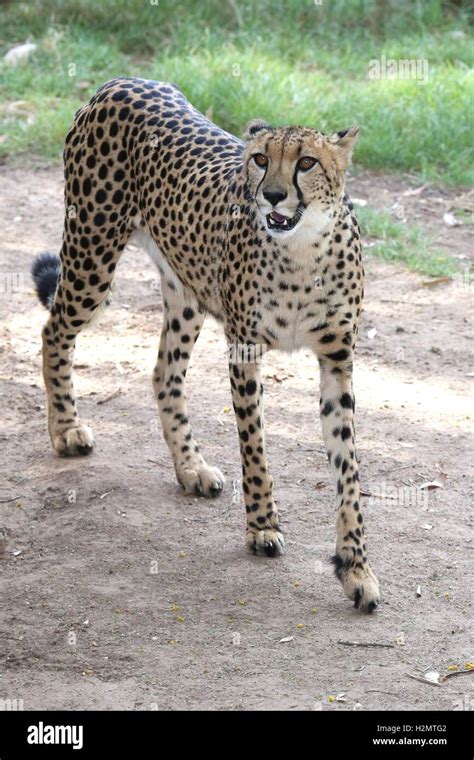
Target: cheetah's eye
x: 260, y: 160
x: 306, y: 163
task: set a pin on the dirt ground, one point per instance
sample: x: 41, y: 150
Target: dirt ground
x: 120, y: 592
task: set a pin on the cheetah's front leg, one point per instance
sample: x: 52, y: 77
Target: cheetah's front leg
x: 263, y: 531
x: 337, y: 420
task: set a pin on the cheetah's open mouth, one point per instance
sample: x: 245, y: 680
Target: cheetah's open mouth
x: 279, y: 223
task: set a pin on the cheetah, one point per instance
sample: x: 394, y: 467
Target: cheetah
x: 257, y: 232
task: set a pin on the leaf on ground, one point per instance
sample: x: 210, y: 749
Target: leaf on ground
x: 414, y: 191
x: 450, y: 220
x: 433, y: 676
x: 430, y: 485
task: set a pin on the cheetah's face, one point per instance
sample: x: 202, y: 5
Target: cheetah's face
x: 296, y: 175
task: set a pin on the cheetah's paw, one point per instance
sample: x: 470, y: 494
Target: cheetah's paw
x: 76, y: 441
x: 268, y: 542
x: 201, y: 480
x: 360, y: 585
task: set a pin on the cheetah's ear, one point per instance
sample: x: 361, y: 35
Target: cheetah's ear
x: 345, y: 140
x: 254, y: 127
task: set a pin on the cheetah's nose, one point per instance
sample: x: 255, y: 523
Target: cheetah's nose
x: 274, y: 196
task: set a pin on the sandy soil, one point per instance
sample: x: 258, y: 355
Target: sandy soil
x: 121, y: 592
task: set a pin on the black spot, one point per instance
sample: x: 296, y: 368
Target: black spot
x: 345, y: 432
x: 340, y: 565
x: 251, y: 387
x: 338, y: 356
x: 120, y: 95
x: 346, y: 401
x: 327, y: 408
x: 328, y: 338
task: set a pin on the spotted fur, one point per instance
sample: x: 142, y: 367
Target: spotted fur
x: 247, y: 231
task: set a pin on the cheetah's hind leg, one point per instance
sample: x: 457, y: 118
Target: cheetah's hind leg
x: 73, y: 297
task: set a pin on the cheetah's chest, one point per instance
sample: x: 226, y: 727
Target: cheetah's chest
x: 292, y: 309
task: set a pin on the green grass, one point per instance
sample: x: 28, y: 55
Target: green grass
x: 281, y: 60
x: 284, y: 61
x: 403, y: 244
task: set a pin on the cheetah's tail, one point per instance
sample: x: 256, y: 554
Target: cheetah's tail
x: 46, y: 271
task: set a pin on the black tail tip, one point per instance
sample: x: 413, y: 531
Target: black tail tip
x: 46, y: 271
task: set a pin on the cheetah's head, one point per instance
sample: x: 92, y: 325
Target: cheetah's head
x: 296, y: 175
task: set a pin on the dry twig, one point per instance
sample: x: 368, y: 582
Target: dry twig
x: 112, y: 395
x: 365, y: 644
